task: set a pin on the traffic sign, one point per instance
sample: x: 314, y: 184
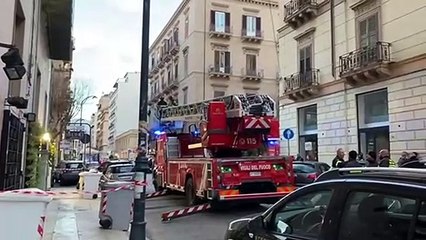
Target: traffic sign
x: 288, y: 134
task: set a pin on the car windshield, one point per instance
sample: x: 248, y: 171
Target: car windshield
x: 122, y: 169
x: 74, y: 165
x: 303, y: 168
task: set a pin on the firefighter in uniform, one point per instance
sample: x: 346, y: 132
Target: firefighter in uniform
x: 384, y: 159
x: 338, y: 161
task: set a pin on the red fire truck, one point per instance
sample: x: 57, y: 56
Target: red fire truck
x: 226, y: 149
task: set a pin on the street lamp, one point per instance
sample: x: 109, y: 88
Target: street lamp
x: 14, y: 68
x: 81, y: 106
x: 138, y: 225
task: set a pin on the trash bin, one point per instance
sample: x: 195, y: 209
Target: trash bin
x: 90, y: 184
x: 115, y: 209
x: 25, y: 208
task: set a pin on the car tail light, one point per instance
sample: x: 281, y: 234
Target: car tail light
x: 312, y: 176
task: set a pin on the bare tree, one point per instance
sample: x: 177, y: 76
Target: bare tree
x: 65, y: 102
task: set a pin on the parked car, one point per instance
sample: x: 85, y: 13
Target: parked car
x: 345, y: 204
x: 119, y: 172
x: 104, y: 166
x: 306, y: 172
x: 414, y: 164
x: 66, y: 172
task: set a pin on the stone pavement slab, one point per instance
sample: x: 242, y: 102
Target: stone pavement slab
x: 69, y: 217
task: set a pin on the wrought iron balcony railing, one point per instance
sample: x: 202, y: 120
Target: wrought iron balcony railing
x: 364, y: 58
x: 249, y: 34
x: 254, y: 74
x: 296, y: 12
x: 217, y: 69
x: 301, y: 80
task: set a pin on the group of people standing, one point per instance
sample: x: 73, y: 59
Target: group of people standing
x: 372, y: 160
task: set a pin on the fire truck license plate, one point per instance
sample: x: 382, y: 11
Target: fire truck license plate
x: 255, y: 167
x: 255, y: 174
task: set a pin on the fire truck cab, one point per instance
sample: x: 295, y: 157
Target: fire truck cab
x: 227, y: 149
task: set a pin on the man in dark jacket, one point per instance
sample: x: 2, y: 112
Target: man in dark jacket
x: 338, y: 160
x: 384, y: 159
x: 352, y: 162
x: 372, y: 159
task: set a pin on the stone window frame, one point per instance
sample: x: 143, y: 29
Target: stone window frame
x: 185, y: 53
x: 301, y: 121
x: 363, y: 10
x: 185, y: 95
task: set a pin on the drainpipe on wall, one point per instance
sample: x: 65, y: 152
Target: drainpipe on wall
x: 333, y: 40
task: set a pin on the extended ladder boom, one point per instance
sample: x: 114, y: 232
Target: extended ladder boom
x: 236, y: 106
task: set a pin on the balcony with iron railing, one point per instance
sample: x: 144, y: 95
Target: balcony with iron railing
x: 174, y: 49
x: 217, y: 71
x: 365, y: 64
x: 298, y: 12
x: 250, y: 36
x: 214, y: 33
x: 161, y: 62
x: 248, y: 74
x: 300, y: 86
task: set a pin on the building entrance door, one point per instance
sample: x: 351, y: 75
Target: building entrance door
x: 373, y: 139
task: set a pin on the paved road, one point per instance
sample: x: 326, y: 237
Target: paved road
x: 71, y: 218
x: 206, y: 226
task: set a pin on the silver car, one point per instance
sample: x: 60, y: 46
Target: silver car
x: 120, y: 172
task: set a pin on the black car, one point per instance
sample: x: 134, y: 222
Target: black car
x: 414, y: 164
x: 104, y: 166
x: 307, y: 171
x: 67, y: 172
x: 345, y: 204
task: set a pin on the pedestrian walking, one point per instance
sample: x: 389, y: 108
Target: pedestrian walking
x: 384, y: 159
x: 338, y: 161
x: 352, y: 161
x: 372, y: 159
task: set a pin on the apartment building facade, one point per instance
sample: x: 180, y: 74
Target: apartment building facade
x: 214, y: 48
x: 41, y: 31
x: 353, y: 76
x: 124, y: 117
x: 102, y: 124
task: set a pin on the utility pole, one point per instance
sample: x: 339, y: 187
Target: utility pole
x: 138, y: 225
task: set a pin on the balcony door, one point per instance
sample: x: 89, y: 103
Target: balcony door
x: 222, y: 61
x: 220, y: 21
x: 251, y: 26
x: 368, y: 38
x: 305, y: 65
x: 251, y: 65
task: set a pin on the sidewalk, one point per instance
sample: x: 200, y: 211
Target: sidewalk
x: 73, y: 218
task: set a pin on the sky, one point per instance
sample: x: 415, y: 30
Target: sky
x: 108, y: 41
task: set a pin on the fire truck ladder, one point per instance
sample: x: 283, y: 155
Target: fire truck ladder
x: 236, y: 106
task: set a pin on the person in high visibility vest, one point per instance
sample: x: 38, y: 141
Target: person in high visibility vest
x: 384, y: 159
x: 338, y: 161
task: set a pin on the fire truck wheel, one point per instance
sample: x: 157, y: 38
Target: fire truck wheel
x: 189, y: 192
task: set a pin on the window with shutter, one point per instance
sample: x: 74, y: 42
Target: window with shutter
x: 305, y: 63
x: 185, y: 62
x: 251, y: 65
x: 176, y: 71
x: 227, y: 22
x: 258, y: 27
x: 368, y: 31
x: 185, y: 95
x: 227, y: 62
x: 244, y: 24
x: 219, y: 21
x: 186, y: 26
x: 251, y: 26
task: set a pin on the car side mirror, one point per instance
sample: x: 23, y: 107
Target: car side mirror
x: 256, y: 224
